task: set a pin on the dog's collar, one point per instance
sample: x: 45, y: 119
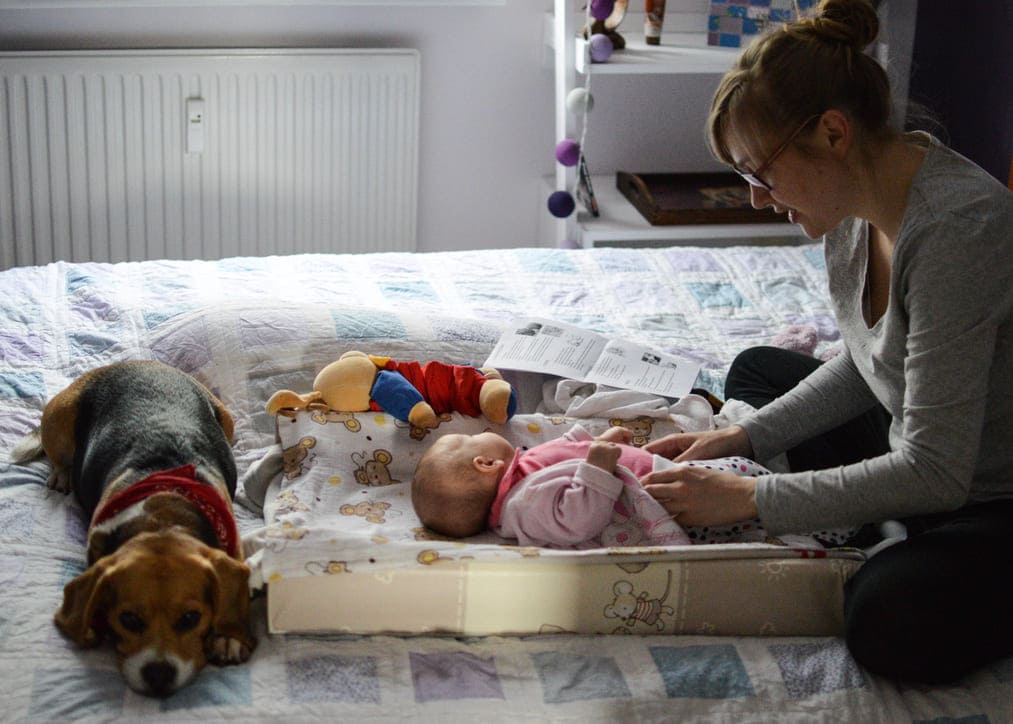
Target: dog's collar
x: 181, y: 481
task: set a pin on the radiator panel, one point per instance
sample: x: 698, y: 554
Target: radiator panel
x: 304, y: 151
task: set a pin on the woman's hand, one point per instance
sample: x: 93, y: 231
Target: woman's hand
x: 698, y: 496
x: 726, y: 442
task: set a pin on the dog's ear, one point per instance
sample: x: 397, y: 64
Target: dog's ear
x: 82, y: 616
x: 224, y: 419
x: 231, y: 597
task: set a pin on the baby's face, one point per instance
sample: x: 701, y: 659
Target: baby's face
x: 466, y: 447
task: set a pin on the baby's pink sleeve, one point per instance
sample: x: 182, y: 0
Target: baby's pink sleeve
x: 562, y: 505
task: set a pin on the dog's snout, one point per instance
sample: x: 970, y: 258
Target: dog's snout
x: 160, y: 677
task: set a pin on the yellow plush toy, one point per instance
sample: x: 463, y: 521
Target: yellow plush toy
x: 412, y: 392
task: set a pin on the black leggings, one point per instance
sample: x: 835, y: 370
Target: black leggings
x: 929, y: 609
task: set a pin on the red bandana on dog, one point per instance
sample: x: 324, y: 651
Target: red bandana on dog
x: 181, y: 481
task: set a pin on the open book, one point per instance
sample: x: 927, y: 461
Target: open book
x: 554, y: 348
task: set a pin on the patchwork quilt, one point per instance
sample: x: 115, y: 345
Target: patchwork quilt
x: 250, y: 326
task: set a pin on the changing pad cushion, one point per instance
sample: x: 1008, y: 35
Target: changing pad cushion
x: 340, y: 527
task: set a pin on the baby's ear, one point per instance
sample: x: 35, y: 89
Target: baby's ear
x: 485, y: 464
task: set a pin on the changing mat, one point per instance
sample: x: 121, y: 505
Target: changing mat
x: 343, y: 551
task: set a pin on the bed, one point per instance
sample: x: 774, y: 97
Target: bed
x: 248, y: 327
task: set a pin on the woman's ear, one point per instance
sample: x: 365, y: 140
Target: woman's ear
x: 835, y: 132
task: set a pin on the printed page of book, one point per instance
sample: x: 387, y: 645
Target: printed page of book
x: 541, y: 345
x: 554, y: 348
x: 634, y: 367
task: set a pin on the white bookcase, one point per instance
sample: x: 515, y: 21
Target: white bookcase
x: 679, y: 53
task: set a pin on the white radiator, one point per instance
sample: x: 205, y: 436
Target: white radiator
x: 123, y: 155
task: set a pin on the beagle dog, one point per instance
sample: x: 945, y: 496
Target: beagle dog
x: 145, y: 448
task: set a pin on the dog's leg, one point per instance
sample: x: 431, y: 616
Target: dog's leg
x: 57, y: 432
x: 231, y: 640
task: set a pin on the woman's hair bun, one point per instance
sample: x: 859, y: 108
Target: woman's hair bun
x: 851, y: 22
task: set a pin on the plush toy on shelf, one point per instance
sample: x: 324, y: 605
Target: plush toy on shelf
x: 409, y: 391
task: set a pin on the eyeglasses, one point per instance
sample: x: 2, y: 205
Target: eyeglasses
x: 753, y: 178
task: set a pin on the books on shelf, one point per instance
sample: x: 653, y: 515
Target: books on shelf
x: 564, y: 350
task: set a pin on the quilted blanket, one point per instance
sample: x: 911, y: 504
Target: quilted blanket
x: 250, y: 326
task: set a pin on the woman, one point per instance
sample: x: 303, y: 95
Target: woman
x: 914, y: 420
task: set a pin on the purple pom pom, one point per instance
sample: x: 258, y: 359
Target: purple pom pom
x: 601, y: 9
x: 561, y: 204
x: 568, y: 152
x: 601, y: 47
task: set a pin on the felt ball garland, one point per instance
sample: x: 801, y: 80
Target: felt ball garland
x: 579, y: 102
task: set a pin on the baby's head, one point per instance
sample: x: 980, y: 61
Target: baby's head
x: 456, y: 480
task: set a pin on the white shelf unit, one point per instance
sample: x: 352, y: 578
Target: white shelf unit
x: 621, y: 223
x: 678, y: 53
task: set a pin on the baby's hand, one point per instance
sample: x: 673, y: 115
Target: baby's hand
x: 617, y: 434
x: 604, y: 455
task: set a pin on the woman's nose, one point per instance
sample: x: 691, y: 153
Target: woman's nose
x: 759, y: 197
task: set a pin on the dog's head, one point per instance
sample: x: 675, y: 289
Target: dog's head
x: 168, y: 602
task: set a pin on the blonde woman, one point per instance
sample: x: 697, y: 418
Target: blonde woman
x: 914, y: 420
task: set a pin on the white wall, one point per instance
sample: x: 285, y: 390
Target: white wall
x: 486, y: 134
x: 487, y: 118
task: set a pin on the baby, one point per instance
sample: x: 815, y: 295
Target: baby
x: 574, y: 492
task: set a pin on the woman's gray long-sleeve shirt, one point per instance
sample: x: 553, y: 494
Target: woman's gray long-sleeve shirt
x: 940, y: 360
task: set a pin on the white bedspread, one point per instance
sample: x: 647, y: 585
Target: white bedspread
x: 250, y: 326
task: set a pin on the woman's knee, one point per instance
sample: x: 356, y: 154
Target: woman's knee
x: 924, y: 611
x: 760, y: 374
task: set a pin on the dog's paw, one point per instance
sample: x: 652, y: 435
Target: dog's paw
x: 224, y: 650
x: 59, y: 480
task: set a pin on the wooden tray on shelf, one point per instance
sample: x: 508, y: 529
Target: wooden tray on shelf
x: 667, y: 199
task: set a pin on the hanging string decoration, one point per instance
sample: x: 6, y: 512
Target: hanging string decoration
x: 579, y: 102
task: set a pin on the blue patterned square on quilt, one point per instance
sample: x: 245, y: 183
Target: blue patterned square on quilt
x: 77, y: 692
x: 409, y: 291
x: 716, y: 294
x: 91, y: 344
x: 69, y: 570
x: 333, y: 678
x: 702, y: 672
x: 483, y: 295
x: 77, y: 279
x: 454, y: 675
x: 367, y: 325
x: 556, y: 261
x: 816, y: 257
x: 816, y: 668
x: 571, y: 677
x: 214, y: 686
x: 154, y: 318
x: 23, y: 385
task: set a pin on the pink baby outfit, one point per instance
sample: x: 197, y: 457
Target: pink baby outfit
x: 551, y: 496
